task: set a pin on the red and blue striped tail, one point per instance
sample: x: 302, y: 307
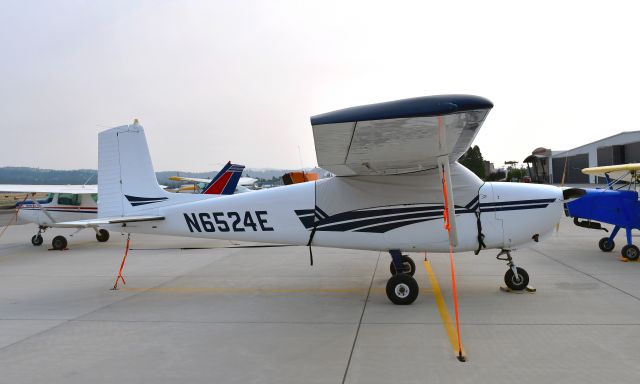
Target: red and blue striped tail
x: 226, y: 180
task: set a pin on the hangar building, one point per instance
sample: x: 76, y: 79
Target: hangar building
x: 548, y: 166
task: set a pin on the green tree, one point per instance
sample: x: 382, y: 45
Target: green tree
x: 473, y: 160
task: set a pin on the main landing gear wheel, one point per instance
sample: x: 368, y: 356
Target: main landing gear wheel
x: 606, y: 245
x: 59, y: 243
x: 36, y: 240
x: 517, y: 283
x: 407, y: 263
x: 402, y: 289
x: 102, y: 235
x: 631, y: 252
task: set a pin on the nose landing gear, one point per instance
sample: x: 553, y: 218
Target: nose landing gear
x: 515, y: 278
x: 402, y: 288
x: 37, y: 239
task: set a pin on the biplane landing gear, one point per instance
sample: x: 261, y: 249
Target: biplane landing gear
x: 59, y: 243
x: 606, y: 244
x: 515, y: 278
x: 402, y: 288
x: 102, y: 235
x: 631, y: 252
x: 37, y: 238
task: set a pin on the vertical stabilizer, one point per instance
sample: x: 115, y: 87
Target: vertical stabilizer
x: 126, y: 180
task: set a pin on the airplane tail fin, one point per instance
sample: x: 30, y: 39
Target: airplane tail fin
x: 127, y: 183
x: 226, y: 181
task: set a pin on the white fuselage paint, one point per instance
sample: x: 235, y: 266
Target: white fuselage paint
x: 48, y: 214
x: 510, y: 213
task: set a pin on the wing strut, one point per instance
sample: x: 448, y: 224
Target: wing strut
x: 450, y: 226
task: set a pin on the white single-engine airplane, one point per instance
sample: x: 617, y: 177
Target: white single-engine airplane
x: 63, y: 203
x: 391, y: 162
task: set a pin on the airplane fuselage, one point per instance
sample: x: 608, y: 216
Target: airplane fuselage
x: 366, y: 214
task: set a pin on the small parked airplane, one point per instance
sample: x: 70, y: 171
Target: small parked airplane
x: 618, y: 205
x: 396, y: 179
x: 79, y: 202
x: 64, y: 203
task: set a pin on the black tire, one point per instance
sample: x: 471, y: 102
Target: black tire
x: 606, y: 245
x: 36, y: 240
x: 407, y: 262
x: 631, y: 252
x: 59, y: 243
x: 102, y: 235
x: 516, y: 284
x: 402, y: 289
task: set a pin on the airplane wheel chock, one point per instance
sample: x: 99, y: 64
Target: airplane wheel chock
x: 37, y: 240
x: 59, y: 243
x: 606, y: 245
x: 402, y: 289
x: 102, y: 235
x: 407, y: 263
x: 631, y: 252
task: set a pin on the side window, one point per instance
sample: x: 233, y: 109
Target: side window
x: 94, y: 196
x: 68, y: 199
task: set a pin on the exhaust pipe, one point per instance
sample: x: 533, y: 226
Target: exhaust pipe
x: 573, y: 193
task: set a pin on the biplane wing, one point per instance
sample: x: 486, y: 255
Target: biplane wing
x: 397, y: 137
x: 624, y: 172
x: 190, y: 179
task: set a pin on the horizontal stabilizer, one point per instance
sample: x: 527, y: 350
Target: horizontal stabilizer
x: 91, y: 223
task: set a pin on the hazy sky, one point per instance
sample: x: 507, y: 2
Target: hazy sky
x: 238, y: 80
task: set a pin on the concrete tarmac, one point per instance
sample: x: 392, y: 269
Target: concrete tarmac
x: 197, y: 311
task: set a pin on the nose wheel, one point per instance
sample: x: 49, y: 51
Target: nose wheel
x: 36, y: 239
x: 402, y: 289
x: 515, y: 278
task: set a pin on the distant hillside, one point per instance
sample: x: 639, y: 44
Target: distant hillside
x: 26, y: 175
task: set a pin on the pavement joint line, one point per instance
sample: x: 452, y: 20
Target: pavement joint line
x: 442, y: 308
x: 77, y: 318
x: 587, y: 274
x: 364, y: 308
x: 241, y: 322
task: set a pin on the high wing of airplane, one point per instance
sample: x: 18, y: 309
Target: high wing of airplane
x: 397, y: 181
x: 617, y: 205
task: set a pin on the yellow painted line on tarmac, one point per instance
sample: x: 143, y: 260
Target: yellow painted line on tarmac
x: 449, y: 325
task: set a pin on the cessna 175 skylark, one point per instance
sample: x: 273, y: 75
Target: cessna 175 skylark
x: 79, y: 202
x: 392, y: 162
